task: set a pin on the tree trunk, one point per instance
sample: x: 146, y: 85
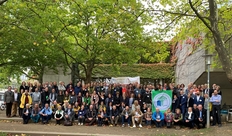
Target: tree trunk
x: 40, y: 78
x: 88, y: 72
x: 88, y: 77
x: 223, y: 54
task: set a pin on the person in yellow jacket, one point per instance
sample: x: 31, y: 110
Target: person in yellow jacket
x: 25, y: 99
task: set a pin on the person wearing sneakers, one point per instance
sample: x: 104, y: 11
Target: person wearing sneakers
x: 115, y: 116
x: 90, y: 116
x: 126, y: 115
x: 46, y: 114
x: 158, y: 118
x: 81, y: 115
x: 59, y: 114
x: 69, y: 114
x: 148, y: 117
x: 137, y: 116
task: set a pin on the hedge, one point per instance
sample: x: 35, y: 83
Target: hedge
x: 152, y: 71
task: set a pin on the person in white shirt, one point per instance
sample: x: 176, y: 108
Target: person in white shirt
x: 15, y: 103
x: 26, y: 114
x: 137, y: 117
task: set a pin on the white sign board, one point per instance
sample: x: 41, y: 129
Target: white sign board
x: 125, y: 80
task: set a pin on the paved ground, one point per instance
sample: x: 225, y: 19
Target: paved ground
x: 16, y: 127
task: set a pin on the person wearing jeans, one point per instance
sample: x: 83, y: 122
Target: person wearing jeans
x: 35, y: 113
x: 46, y: 114
x: 158, y: 118
x: 114, y: 117
x: 148, y: 117
x: 81, y: 115
x: 126, y: 115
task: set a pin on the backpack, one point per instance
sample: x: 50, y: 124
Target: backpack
x: 68, y: 123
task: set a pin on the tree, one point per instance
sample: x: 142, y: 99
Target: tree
x: 94, y: 32
x: 25, y: 45
x: 204, y: 17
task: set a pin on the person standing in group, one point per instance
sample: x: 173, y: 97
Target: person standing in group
x: 45, y: 97
x: 19, y: 102
x: 147, y: 98
x: 36, y: 97
x: 15, y: 103
x: 183, y: 102
x: 25, y: 99
x: 216, y: 102
x: 8, y: 100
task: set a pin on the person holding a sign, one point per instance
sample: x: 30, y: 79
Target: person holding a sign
x: 158, y: 118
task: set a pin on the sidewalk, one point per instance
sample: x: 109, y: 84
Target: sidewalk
x: 15, y: 126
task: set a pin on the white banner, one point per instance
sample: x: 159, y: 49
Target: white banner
x: 125, y: 80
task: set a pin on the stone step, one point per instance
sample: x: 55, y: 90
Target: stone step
x: 18, y: 119
x: 39, y: 133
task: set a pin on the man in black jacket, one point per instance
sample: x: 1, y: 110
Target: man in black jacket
x: 90, y: 116
x: 69, y: 114
x: 200, y: 117
x: 189, y: 118
x: 147, y: 98
x: 45, y: 97
x: 117, y: 100
x: 115, y: 116
x: 190, y: 101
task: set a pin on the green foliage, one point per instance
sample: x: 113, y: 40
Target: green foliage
x: 196, y: 21
x: 153, y: 71
x: 25, y: 43
x: 49, y: 33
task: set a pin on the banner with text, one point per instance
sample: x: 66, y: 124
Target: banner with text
x: 125, y: 80
x: 161, y: 100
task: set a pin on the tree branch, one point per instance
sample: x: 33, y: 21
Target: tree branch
x: 228, y: 39
x: 199, y: 16
x: 75, y: 37
x: 178, y: 13
x: 31, y: 77
x: 66, y: 59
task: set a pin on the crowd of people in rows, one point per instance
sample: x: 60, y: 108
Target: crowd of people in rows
x: 109, y: 104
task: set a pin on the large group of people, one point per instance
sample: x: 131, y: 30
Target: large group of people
x: 108, y: 104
